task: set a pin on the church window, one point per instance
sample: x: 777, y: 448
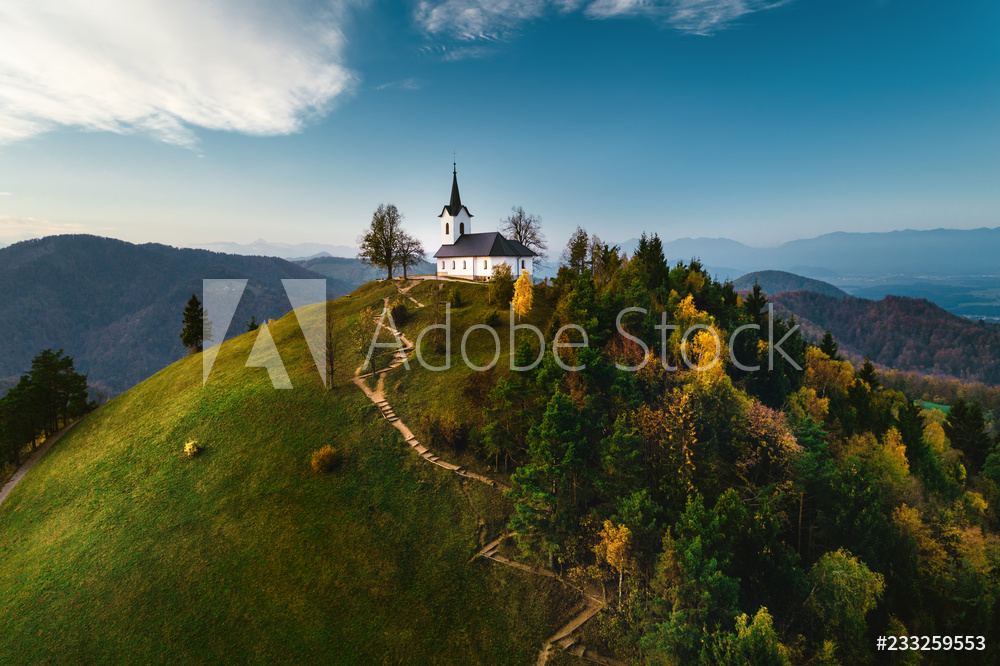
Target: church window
x: 461, y: 228
x: 484, y: 263
x: 463, y: 265
x: 522, y: 263
x: 447, y: 228
x: 453, y: 265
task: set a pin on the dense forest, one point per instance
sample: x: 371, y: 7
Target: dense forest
x: 773, y: 516
x: 902, y: 333
x: 115, y: 306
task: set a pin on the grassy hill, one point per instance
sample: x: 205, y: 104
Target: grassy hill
x: 118, y: 548
x: 116, y: 307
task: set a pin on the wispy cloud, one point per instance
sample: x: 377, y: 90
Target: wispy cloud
x: 6, y: 194
x: 168, y: 66
x: 14, y: 229
x: 402, y: 84
x: 470, y: 20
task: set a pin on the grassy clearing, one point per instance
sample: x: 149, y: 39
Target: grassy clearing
x: 932, y: 405
x: 119, y: 548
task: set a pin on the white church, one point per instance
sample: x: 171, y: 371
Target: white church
x: 468, y: 255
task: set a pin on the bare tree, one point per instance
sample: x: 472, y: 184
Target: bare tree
x: 525, y: 229
x: 409, y: 253
x: 379, y: 246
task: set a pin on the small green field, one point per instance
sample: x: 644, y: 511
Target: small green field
x: 932, y: 405
x: 117, y: 548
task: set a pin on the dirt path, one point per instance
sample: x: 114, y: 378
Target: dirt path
x: 567, y: 637
x: 32, y: 460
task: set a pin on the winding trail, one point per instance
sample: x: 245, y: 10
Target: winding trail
x: 32, y: 460
x: 567, y: 637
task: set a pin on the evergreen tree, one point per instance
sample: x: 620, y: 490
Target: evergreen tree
x: 196, y: 329
x: 966, y: 430
x: 828, y: 345
x: 868, y: 374
x: 574, y: 254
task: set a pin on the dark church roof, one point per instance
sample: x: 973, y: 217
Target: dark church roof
x: 455, y: 207
x: 490, y: 244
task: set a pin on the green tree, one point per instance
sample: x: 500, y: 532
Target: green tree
x: 828, y: 345
x: 868, y: 374
x: 754, y: 642
x: 574, y: 254
x: 545, y: 490
x: 252, y: 325
x: 966, y: 430
x: 843, y: 591
x: 649, y: 254
x: 501, y: 287
x: 197, y: 328
x: 381, y: 244
x: 692, y: 594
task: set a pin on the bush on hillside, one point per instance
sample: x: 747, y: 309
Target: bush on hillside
x: 191, y: 448
x: 444, y: 432
x: 400, y: 315
x: 493, y: 319
x: 325, y: 460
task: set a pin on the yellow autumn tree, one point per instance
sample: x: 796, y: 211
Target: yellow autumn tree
x: 615, y: 548
x: 523, y: 295
x: 823, y: 373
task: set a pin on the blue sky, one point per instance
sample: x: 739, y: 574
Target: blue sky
x: 762, y: 121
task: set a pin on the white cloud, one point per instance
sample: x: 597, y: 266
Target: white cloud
x: 402, y: 84
x: 14, y: 229
x: 6, y: 194
x: 167, y: 66
x: 492, y: 19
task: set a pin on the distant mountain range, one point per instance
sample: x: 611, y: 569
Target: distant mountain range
x: 290, y: 251
x: 346, y: 275
x: 116, y: 307
x: 937, y: 252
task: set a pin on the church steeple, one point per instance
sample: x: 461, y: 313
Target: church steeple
x: 456, y: 220
x: 456, y: 200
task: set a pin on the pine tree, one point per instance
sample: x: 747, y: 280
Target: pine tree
x: 966, y: 430
x: 193, y: 334
x: 828, y: 345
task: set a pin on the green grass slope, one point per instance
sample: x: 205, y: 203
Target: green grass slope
x: 117, y: 548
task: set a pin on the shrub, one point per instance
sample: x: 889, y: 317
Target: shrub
x: 493, y: 319
x: 455, y: 297
x: 444, y: 432
x: 191, y: 448
x: 325, y: 460
x: 399, y: 313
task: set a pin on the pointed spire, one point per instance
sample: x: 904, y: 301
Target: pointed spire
x: 456, y: 201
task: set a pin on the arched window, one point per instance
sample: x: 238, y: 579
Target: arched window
x: 522, y: 264
x: 442, y: 264
x: 484, y: 263
x: 447, y: 228
x: 463, y: 265
x: 461, y: 228
x: 453, y: 265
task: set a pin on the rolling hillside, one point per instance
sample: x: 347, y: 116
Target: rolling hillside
x: 901, y: 333
x: 116, y: 307
x: 776, y: 282
x: 118, y: 548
